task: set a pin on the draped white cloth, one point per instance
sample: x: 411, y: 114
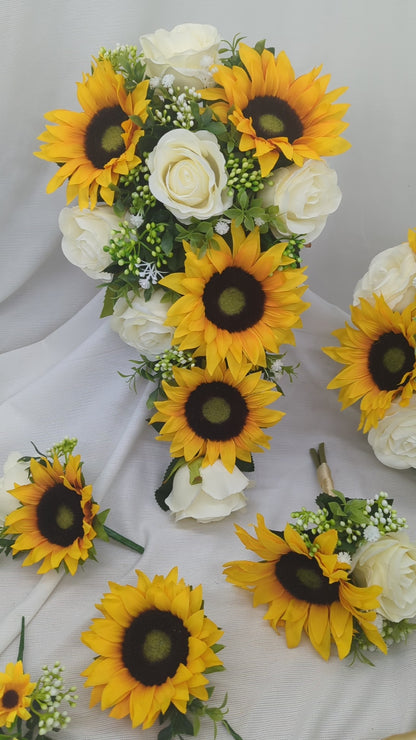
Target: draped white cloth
x: 58, y: 377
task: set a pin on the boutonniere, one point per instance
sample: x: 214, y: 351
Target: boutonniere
x: 29, y: 709
x: 56, y: 520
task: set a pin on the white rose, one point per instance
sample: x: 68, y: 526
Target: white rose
x: 188, y: 175
x: 305, y: 196
x: 13, y: 472
x: 215, y: 497
x: 390, y: 563
x: 392, y: 273
x: 85, y: 233
x: 186, y: 52
x: 141, y: 324
x: 394, y: 439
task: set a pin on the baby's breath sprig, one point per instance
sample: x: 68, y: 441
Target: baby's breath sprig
x: 276, y: 369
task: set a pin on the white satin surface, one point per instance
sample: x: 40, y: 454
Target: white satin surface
x: 59, y: 377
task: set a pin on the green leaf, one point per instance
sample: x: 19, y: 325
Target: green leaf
x: 165, y: 488
x: 108, y: 304
x: 21, y: 640
x: 245, y: 466
x: 166, y: 733
x: 214, y: 669
x: 98, y: 524
x: 232, y: 732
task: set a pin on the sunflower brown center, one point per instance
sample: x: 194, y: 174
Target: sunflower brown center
x: 216, y: 411
x: 103, y: 138
x: 303, y: 579
x: 154, y: 646
x: 273, y: 117
x: 10, y: 699
x: 390, y: 358
x: 60, y: 516
x: 233, y: 300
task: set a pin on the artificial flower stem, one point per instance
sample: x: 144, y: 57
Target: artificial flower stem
x: 232, y: 732
x: 21, y: 641
x: 323, y: 471
x: 123, y: 540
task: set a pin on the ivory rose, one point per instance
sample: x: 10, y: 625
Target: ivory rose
x: 13, y: 472
x: 186, y: 52
x: 188, y: 175
x: 218, y: 493
x: 390, y: 563
x: 84, y: 234
x: 391, y: 273
x: 305, y: 196
x: 394, y: 439
x: 141, y: 324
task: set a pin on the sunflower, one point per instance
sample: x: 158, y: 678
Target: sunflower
x: 306, y: 592
x: 96, y: 146
x: 55, y: 521
x: 277, y: 113
x: 154, y: 644
x: 216, y: 415
x: 236, y: 303
x: 379, y: 354
x: 411, y: 238
x: 15, y: 692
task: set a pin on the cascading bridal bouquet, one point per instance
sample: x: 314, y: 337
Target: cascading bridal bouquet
x: 199, y: 177
x: 378, y: 352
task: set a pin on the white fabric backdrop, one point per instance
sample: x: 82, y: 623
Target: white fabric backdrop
x: 58, y: 370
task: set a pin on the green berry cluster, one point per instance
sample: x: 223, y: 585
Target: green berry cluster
x: 244, y: 174
x: 165, y: 362
x: 295, y: 244
x: 124, y: 248
x: 134, y: 190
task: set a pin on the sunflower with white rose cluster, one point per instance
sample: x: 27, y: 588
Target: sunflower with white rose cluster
x: 203, y: 273
x: 379, y: 357
x: 342, y: 574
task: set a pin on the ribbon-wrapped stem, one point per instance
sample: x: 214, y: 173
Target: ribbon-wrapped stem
x: 323, y: 471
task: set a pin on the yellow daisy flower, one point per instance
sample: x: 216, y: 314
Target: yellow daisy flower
x: 379, y: 355
x: 96, y: 146
x: 154, y: 644
x: 236, y: 303
x: 15, y: 693
x: 277, y: 113
x: 216, y: 415
x: 55, y: 521
x: 304, y: 592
